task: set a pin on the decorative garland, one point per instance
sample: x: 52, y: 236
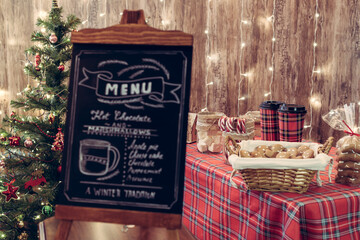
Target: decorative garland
x: 50, y: 136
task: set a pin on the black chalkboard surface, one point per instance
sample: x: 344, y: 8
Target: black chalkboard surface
x: 126, y: 127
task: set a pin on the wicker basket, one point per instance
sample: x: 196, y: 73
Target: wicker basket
x: 276, y: 180
x: 233, y: 138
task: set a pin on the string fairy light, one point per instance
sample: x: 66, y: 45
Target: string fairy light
x: 165, y: 22
x: 314, y: 102
x: 242, y: 75
x: 207, y: 55
x: 273, y: 39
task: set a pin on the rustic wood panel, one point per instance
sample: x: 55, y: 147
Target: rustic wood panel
x: 337, y: 53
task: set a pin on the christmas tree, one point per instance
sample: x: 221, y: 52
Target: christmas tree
x: 32, y: 145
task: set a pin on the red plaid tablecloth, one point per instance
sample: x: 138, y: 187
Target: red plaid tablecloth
x: 213, y: 209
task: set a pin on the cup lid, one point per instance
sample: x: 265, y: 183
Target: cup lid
x: 273, y: 105
x: 292, y: 108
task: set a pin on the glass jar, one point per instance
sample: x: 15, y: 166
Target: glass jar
x: 209, y: 137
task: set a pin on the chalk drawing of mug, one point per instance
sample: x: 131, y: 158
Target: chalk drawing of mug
x: 94, y: 159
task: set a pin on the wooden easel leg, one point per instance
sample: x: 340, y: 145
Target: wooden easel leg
x: 173, y: 234
x: 145, y: 233
x: 63, y: 229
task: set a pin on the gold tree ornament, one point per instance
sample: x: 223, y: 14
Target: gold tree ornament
x: 21, y: 224
x: 54, y: 4
x: 23, y: 236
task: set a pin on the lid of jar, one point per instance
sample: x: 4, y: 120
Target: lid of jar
x: 292, y: 108
x: 272, y: 105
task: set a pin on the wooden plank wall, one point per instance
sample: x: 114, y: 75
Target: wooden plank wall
x: 337, y: 52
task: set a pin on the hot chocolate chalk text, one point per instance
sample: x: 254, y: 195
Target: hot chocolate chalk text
x: 118, y: 116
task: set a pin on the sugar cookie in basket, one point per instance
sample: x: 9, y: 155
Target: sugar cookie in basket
x: 231, y: 147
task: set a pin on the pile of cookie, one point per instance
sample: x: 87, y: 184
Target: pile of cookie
x: 278, y: 151
x: 349, y: 161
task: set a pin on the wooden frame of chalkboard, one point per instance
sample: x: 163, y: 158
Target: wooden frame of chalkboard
x: 125, y: 137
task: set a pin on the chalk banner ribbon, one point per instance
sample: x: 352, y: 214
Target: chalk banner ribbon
x: 107, y: 87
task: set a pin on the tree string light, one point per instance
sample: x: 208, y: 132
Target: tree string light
x: 314, y: 101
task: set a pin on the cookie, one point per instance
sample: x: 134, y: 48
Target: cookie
x: 270, y: 154
x: 347, y: 180
x: 293, y: 152
x: 308, y: 153
x: 349, y: 173
x: 353, y: 157
x: 302, y: 149
x: 245, y: 154
x: 283, y: 155
x: 277, y: 148
x: 349, y: 165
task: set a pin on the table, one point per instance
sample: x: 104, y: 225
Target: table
x: 214, y: 209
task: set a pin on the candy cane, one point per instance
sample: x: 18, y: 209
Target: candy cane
x: 230, y: 125
x: 238, y: 126
x: 243, y: 125
x: 222, y: 123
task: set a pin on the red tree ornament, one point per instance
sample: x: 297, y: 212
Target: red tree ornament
x: 37, y: 178
x: 61, y: 68
x: 28, y: 142
x: 14, y: 141
x: 11, y: 191
x: 58, y: 144
x: 13, y: 114
x: 37, y: 61
x: 53, y: 38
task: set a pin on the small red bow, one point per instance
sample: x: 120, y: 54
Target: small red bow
x: 351, y: 131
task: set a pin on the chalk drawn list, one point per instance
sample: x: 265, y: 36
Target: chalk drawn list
x: 141, y: 163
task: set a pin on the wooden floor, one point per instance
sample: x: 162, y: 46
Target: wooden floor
x: 108, y: 231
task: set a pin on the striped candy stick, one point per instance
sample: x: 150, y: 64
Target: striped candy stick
x: 243, y: 126
x: 222, y: 123
x: 238, y: 126
x: 230, y: 125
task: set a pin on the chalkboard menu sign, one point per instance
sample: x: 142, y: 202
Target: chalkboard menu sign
x: 126, y: 126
